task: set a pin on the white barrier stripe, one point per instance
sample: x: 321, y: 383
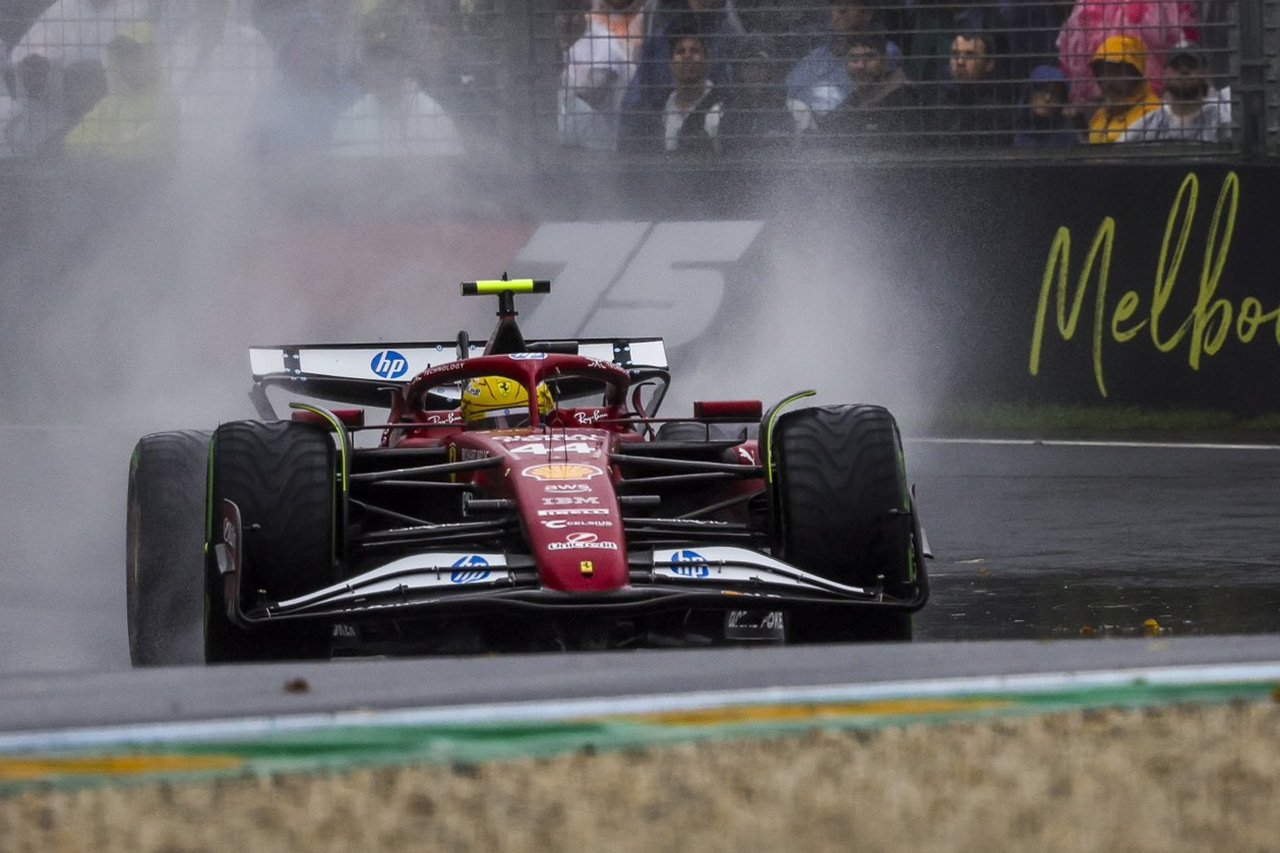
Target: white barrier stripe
x: 578, y: 709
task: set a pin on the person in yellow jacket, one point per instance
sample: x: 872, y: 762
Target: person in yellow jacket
x: 1127, y: 95
x: 139, y: 117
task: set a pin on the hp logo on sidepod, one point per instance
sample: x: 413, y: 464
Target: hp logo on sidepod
x: 389, y: 364
x: 690, y: 564
x: 469, y: 569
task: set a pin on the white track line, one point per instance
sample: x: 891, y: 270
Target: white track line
x: 1159, y: 445
x: 578, y: 709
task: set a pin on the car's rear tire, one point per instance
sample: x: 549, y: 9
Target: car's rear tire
x: 281, y: 475
x: 164, y: 539
x: 844, y: 512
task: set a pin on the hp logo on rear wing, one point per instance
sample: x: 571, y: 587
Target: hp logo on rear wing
x: 389, y: 364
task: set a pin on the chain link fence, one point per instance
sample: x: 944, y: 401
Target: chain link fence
x: 541, y: 81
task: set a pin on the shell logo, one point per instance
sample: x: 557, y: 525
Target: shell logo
x: 562, y: 471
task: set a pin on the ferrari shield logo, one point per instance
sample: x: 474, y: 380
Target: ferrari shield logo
x: 588, y: 568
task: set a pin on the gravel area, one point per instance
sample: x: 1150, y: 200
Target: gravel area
x: 1171, y: 778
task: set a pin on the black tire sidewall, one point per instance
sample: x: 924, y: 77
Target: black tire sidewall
x: 164, y: 547
x: 281, y: 476
x: 840, y: 475
x: 845, y: 511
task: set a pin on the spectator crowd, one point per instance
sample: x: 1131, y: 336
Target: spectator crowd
x: 218, y: 79
x: 835, y: 76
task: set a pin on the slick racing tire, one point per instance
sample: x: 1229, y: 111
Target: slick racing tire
x: 164, y: 543
x: 845, y: 513
x: 281, y: 475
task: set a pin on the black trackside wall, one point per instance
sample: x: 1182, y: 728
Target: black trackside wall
x: 1120, y: 283
x: 1132, y: 284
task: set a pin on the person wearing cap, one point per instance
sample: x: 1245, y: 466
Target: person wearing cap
x: 1127, y: 95
x: 1046, y: 119
x: 1191, y: 109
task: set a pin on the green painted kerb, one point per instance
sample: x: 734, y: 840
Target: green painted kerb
x: 349, y: 747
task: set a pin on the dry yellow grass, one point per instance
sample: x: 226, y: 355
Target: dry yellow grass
x: 1165, y: 779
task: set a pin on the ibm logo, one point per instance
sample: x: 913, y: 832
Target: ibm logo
x: 389, y: 364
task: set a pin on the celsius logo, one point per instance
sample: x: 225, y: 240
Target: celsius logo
x: 470, y: 569
x: 690, y: 564
x: 389, y: 364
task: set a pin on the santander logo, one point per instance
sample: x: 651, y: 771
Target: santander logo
x: 575, y: 541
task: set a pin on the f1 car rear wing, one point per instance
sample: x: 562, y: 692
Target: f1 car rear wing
x: 367, y: 374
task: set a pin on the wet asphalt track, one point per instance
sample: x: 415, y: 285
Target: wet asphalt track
x: 1044, y: 541
x: 1032, y: 542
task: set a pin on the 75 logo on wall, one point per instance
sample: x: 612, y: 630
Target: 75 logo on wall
x: 667, y: 276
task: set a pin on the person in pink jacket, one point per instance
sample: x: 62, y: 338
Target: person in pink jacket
x: 1160, y: 24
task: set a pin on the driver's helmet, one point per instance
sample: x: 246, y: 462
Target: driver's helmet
x: 496, y: 402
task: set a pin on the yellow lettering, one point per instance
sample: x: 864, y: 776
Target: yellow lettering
x: 1166, y: 269
x: 1126, y: 308
x: 1208, y: 310
x: 1251, y: 316
x: 1057, y: 270
x: 1059, y: 260
x: 1213, y: 320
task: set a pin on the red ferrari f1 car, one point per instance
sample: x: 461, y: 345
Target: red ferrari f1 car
x: 520, y: 495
